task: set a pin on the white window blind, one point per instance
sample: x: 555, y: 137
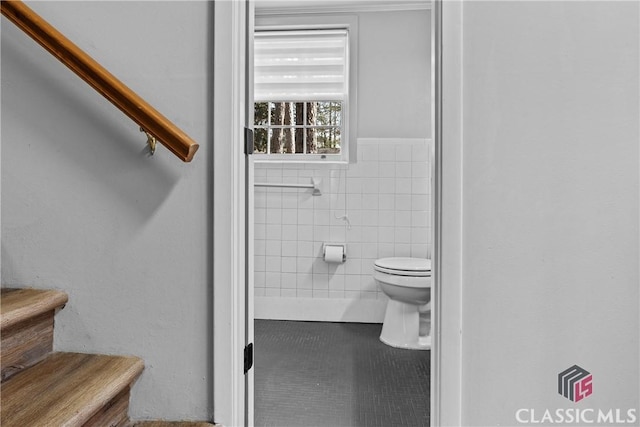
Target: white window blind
x: 300, y: 66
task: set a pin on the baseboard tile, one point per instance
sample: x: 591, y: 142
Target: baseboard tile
x: 320, y: 309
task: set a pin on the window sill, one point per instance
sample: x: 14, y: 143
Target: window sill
x: 280, y: 162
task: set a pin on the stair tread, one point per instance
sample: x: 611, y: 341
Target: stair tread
x: 65, y: 389
x: 17, y: 305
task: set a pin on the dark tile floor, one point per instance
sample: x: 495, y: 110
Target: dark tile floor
x: 313, y: 374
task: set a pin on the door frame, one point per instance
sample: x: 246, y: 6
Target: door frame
x: 229, y: 204
x: 230, y: 308
x: 448, y: 255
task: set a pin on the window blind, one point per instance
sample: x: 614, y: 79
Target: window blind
x: 300, y: 66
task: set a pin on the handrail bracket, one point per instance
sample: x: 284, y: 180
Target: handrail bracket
x: 151, y: 141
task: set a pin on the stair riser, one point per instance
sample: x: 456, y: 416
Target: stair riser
x: 113, y: 414
x: 26, y: 343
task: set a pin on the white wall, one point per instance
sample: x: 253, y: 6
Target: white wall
x: 86, y: 210
x: 550, y: 200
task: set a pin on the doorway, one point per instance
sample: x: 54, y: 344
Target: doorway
x: 389, y: 212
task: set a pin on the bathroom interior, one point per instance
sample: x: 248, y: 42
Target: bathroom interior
x: 331, y: 347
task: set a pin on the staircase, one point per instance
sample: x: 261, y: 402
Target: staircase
x: 42, y: 388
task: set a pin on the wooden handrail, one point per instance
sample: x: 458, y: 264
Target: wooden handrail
x: 147, y: 117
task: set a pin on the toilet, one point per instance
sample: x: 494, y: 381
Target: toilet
x: 407, y: 283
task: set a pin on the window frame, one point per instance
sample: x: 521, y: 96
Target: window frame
x: 314, y: 21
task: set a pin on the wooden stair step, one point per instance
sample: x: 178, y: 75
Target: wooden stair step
x: 18, y: 305
x: 26, y: 327
x: 173, y: 424
x: 70, y: 389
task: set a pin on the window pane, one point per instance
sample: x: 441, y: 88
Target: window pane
x: 329, y: 113
x: 277, y: 113
x: 300, y: 138
x: 328, y: 140
x: 299, y: 113
x: 312, y: 113
x: 261, y: 113
x: 275, y: 141
x: 336, y: 108
x: 260, y: 139
x: 288, y: 142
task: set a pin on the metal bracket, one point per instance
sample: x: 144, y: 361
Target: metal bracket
x: 248, y: 357
x: 248, y: 141
x: 151, y: 141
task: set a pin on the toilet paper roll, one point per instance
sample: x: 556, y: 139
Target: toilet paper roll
x: 334, y: 254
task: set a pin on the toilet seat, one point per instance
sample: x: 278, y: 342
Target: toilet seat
x: 404, y: 266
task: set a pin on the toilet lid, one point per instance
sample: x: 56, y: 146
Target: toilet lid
x: 404, y: 266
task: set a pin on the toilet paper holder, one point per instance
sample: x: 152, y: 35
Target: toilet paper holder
x: 342, y: 245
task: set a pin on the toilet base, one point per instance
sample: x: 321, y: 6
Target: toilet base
x: 401, y: 327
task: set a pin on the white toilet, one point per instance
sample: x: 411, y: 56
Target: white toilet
x: 407, y: 283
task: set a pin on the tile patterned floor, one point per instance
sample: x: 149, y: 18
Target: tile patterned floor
x: 315, y: 374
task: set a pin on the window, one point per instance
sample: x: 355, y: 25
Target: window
x: 301, y: 94
x: 298, y: 127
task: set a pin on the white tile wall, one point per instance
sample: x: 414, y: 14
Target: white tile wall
x: 386, y: 197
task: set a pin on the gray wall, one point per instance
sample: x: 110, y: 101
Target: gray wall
x: 550, y: 206
x: 394, y: 69
x: 86, y: 210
